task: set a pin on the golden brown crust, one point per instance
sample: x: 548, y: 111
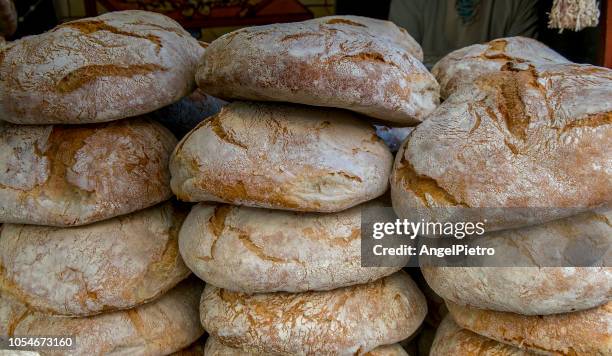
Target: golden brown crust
x: 356, y: 63
x: 69, y: 175
x: 163, y: 326
x: 258, y: 250
x: 113, y: 264
x: 534, y: 139
x: 585, y: 332
x: 463, y: 66
x: 451, y: 340
x: 350, y: 320
x: 281, y: 157
x: 97, y: 69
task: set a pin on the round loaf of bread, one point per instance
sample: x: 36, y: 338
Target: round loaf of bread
x: 112, y: 264
x: 281, y: 157
x: 451, y: 340
x: 215, y: 348
x: 163, y: 326
x: 110, y: 67
x: 586, y: 332
x: 8, y: 18
x: 517, y: 148
x: 75, y: 175
x: 343, y: 321
x: 526, y: 283
x: 356, y: 63
x: 464, y: 65
x: 195, y: 349
x: 255, y: 250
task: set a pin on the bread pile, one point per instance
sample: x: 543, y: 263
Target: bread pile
x: 281, y: 187
x: 523, y: 141
x: 89, y: 237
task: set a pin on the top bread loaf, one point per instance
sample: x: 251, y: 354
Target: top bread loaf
x: 365, y: 65
x: 110, y: 67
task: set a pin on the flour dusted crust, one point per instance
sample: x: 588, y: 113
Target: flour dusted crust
x: 163, y: 326
x: 215, y: 348
x: 533, y: 287
x: 344, y: 321
x: 361, y: 64
x: 74, y: 175
x: 451, y: 340
x: 281, y: 157
x: 255, y: 250
x: 586, y: 332
x: 8, y: 18
x: 537, y: 139
x: 113, y: 264
x: 464, y: 65
x: 113, y: 66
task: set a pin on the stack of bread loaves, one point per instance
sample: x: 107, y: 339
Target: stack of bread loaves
x: 283, y: 262
x: 526, y: 147
x: 89, y: 241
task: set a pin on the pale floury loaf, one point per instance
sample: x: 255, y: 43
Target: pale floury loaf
x: 344, y: 321
x: 109, y: 67
x: 74, y: 175
x: 464, y: 65
x: 161, y: 327
x: 215, y: 348
x: 259, y: 250
x: 527, y: 283
x: 451, y: 340
x: 520, y: 147
x: 113, y: 264
x: 587, y: 332
x: 357, y: 63
x: 281, y: 157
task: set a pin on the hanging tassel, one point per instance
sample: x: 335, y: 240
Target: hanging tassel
x: 573, y: 14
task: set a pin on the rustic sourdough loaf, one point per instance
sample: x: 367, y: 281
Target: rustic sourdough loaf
x: 521, y: 147
x: 361, y: 64
x: 74, y: 175
x: 109, y: 67
x: 464, y: 65
x: 112, y: 264
x: 344, y: 321
x: 215, y: 348
x: 255, y: 250
x: 163, y: 326
x: 526, y: 283
x: 281, y: 157
x: 586, y: 332
x: 451, y: 340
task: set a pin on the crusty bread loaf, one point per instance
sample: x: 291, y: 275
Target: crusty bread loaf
x: 350, y: 320
x: 195, y: 349
x: 537, y: 141
x: 215, y: 348
x: 255, y: 250
x: 163, y: 326
x: 182, y: 116
x: 526, y: 283
x: 113, y: 66
x: 74, y: 175
x: 451, y: 340
x: 281, y: 157
x: 464, y: 65
x: 585, y: 333
x: 361, y: 64
x: 8, y: 18
x: 109, y: 265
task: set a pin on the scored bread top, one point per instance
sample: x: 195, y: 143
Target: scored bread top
x: 365, y: 65
x: 110, y: 67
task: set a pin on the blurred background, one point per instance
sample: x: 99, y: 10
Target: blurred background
x: 209, y: 19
